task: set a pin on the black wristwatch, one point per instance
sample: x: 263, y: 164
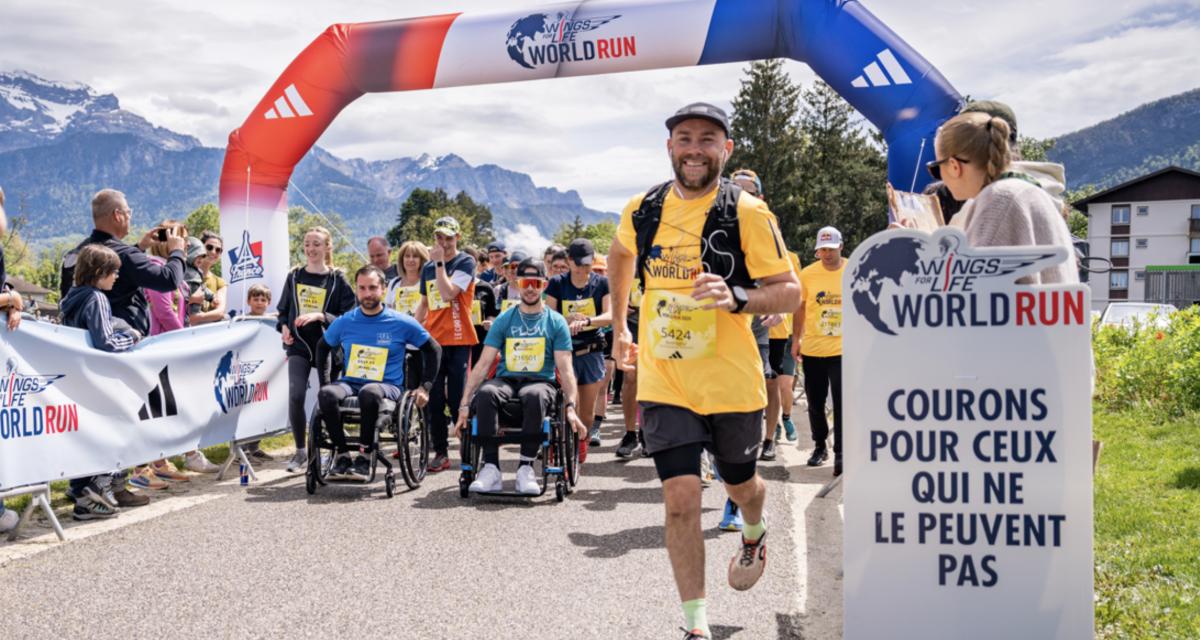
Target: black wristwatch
x: 440, y: 264
x: 570, y: 405
x: 740, y: 298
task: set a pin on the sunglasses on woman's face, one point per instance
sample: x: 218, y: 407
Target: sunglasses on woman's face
x: 212, y: 248
x: 935, y: 167
x: 531, y: 283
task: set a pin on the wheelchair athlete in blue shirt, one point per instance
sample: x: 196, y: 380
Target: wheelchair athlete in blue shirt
x: 532, y: 342
x: 374, y: 340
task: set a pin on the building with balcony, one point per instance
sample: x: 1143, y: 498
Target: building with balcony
x: 1150, y: 221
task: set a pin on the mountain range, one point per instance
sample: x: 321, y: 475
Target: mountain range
x: 62, y: 141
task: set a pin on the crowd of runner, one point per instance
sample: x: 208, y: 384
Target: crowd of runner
x: 693, y: 323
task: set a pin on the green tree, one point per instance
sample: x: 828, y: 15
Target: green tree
x: 45, y: 269
x: 1077, y: 221
x: 206, y: 218
x: 842, y: 173
x: 766, y: 138
x: 601, y: 233
x: 1034, y: 150
x: 423, y: 207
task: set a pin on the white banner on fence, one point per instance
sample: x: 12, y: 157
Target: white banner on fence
x: 68, y: 410
x: 968, y: 491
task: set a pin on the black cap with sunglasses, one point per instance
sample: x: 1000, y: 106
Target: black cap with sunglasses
x: 531, y: 268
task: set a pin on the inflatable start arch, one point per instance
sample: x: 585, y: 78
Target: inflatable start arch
x: 878, y: 73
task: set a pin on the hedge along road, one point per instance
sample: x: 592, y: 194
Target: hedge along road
x: 272, y: 561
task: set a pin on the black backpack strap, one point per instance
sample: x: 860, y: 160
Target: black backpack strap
x: 645, y: 224
x: 722, y: 239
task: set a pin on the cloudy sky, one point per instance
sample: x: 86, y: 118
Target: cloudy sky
x: 199, y: 68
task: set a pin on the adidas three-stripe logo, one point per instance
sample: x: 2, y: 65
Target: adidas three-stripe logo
x: 288, y: 105
x: 161, y: 399
x: 874, y: 76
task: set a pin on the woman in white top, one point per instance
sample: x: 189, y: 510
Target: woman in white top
x: 1004, y: 207
x: 404, y: 291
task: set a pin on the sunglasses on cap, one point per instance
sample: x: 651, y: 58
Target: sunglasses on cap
x: 212, y: 248
x: 530, y: 282
x: 935, y: 167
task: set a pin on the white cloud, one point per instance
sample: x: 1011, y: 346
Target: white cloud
x: 527, y: 238
x: 199, y: 69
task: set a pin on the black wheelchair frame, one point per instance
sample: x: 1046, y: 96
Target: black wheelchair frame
x: 559, y: 455
x: 403, y: 420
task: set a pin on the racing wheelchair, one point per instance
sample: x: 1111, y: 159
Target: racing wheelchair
x: 558, y: 456
x: 403, y: 421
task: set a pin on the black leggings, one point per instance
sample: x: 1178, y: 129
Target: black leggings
x: 536, y: 398
x: 369, y: 398
x: 298, y: 368
x: 685, y: 461
x: 822, y: 375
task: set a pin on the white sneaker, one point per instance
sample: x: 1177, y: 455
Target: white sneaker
x: 9, y: 520
x: 298, y: 461
x: 195, y: 461
x: 488, y: 481
x: 527, y: 483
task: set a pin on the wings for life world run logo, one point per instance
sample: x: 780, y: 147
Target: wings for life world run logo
x: 246, y: 261
x: 543, y: 38
x: 230, y: 385
x: 22, y: 415
x: 906, y: 282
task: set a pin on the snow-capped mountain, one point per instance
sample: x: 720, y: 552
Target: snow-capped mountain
x: 36, y: 111
x: 61, y: 141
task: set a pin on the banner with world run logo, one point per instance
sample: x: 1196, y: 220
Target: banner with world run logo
x: 68, y: 410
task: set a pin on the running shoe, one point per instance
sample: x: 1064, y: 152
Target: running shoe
x: 768, y: 450
x: 488, y: 480
x: 362, y: 468
x: 694, y: 634
x: 440, y: 462
x: 9, y: 520
x: 88, y: 509
x: 261, y: 456
x: 99, y: 490
x: 167, y: 471
x: 126, y: 498
x: 594, y: 436
x: 145, y: 478
x: 195, y: 461
x: 732, y: 520
x: 298, y: 461
x: 629, y: 445
x: 527, y: 483
x: 789, y: 428
x: 342, y: 467
x: 747, y: 565
x: 818, y: 457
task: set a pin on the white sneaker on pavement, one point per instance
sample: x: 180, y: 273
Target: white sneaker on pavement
x: 298, y: 461
x: 488, y: 481
x: 195, y: 461
x: 527, y: 483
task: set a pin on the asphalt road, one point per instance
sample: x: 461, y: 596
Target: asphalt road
x: 272, y: 562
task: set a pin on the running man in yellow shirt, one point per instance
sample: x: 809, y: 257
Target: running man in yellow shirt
x: 699, y: 243
x: 817, y: 343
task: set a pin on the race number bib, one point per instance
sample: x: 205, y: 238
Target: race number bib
x: 436, y: 302
x: 526, y: 355
x: 505, y: 305
x: 406, y: 300
x: 585, y: 307
x: 830, y: 323
x: 678, y: 328
x: 311, y: 299
x: 366, y: 363
x: 476, y: 312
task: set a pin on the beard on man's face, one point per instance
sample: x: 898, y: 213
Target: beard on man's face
x: 713, y: 170
x: 369, y: 303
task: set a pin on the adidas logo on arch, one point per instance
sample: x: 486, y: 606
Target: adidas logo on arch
x: 288, y: 105
x: 875, y: 76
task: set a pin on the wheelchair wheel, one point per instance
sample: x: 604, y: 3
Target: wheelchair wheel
x: 412, y: 442
x: 571, y: 453
x: 313, y: 473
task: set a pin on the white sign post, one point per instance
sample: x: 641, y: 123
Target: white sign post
x: 968, y: 490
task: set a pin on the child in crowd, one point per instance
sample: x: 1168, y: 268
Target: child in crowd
x: 258, y: 301
x: 86, y: 307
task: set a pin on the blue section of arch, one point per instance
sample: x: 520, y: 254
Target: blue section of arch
x: 841, y: 40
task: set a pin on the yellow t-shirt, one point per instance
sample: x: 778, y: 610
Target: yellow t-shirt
x: 705, y: 376
x: 783, y: 330
x: 822, y: 291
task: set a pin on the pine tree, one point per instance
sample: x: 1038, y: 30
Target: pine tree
x: 843, y: 173
x: 766, y: 138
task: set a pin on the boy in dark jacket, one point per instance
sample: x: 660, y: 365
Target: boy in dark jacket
x: 86, y: 307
